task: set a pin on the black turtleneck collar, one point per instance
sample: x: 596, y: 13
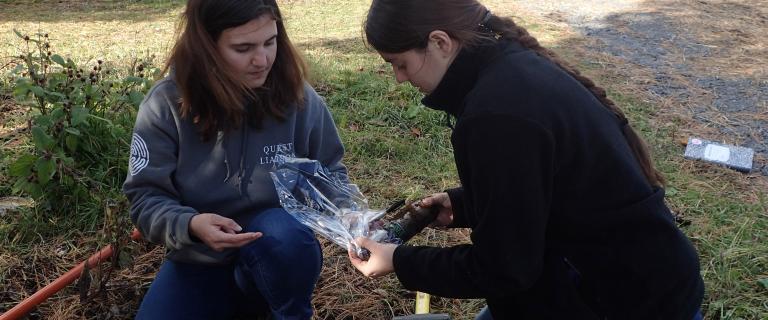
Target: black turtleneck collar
x: 462, y: 75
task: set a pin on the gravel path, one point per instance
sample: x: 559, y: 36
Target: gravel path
x: 683, y: 57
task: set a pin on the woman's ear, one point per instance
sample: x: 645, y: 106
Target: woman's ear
x: 441, y: 41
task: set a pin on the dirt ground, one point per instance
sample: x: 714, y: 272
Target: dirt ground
x: 705, y: 60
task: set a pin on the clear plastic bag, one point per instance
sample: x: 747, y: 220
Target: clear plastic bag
x: 327, y: 203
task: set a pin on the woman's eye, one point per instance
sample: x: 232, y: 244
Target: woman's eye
x: 242, y: 49
x: 269, y: 43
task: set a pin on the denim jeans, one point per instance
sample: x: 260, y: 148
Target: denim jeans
x: 276, y: 272
x: 484, y: 314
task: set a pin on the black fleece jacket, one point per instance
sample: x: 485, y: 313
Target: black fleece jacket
x: 551, y: 190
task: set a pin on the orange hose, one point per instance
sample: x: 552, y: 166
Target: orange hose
x: 24, y: 307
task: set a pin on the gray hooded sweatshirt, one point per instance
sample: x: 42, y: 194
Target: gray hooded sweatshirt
x: 174, y: 175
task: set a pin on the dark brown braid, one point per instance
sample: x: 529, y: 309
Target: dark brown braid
x: 508, y: 29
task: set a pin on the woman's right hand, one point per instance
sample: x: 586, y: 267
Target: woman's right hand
x: 445, y: 215
x: 218, y: 232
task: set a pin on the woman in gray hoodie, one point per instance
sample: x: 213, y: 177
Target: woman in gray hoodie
x: 204, y: 142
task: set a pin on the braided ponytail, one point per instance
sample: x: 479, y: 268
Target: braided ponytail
x: 508, y: 29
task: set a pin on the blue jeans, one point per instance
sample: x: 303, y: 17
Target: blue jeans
x: 276, y: 272
x: 484, y: 314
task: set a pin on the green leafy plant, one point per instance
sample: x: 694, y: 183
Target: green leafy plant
x: 79, y: 121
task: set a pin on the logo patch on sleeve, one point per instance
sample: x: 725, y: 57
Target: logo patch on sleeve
x: 139, y: 155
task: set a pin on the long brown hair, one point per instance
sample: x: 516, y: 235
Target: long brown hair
x: 210, y: 91
x: 396, y: 26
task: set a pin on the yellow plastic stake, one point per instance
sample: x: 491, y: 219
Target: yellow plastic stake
x: 422, y: 302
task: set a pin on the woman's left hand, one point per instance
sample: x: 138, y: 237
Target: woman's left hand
x: 380, y: 262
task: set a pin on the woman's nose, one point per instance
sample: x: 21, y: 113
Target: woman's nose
x: 400, y: 76
x: 259, y: 59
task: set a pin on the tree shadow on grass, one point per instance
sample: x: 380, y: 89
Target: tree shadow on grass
x: 335, y: 46
x: 79, y: 11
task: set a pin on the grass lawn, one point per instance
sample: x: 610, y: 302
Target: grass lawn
x: 396, y: 148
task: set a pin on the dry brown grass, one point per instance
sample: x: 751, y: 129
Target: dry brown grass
x: 107, y: 293
x: 734, y: 29
x: 343, y: 294
x: 103, y: 292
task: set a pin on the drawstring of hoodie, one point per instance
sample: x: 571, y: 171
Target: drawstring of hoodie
x: 241, y: 174
x: 243, y: 158
x: 223, y: 142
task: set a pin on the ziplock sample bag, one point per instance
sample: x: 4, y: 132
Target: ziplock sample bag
x: 325, y: 202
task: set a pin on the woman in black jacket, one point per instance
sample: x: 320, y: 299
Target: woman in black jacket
x: 567, y: 211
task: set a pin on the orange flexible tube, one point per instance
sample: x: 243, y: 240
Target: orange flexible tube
x: 24, y: 307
